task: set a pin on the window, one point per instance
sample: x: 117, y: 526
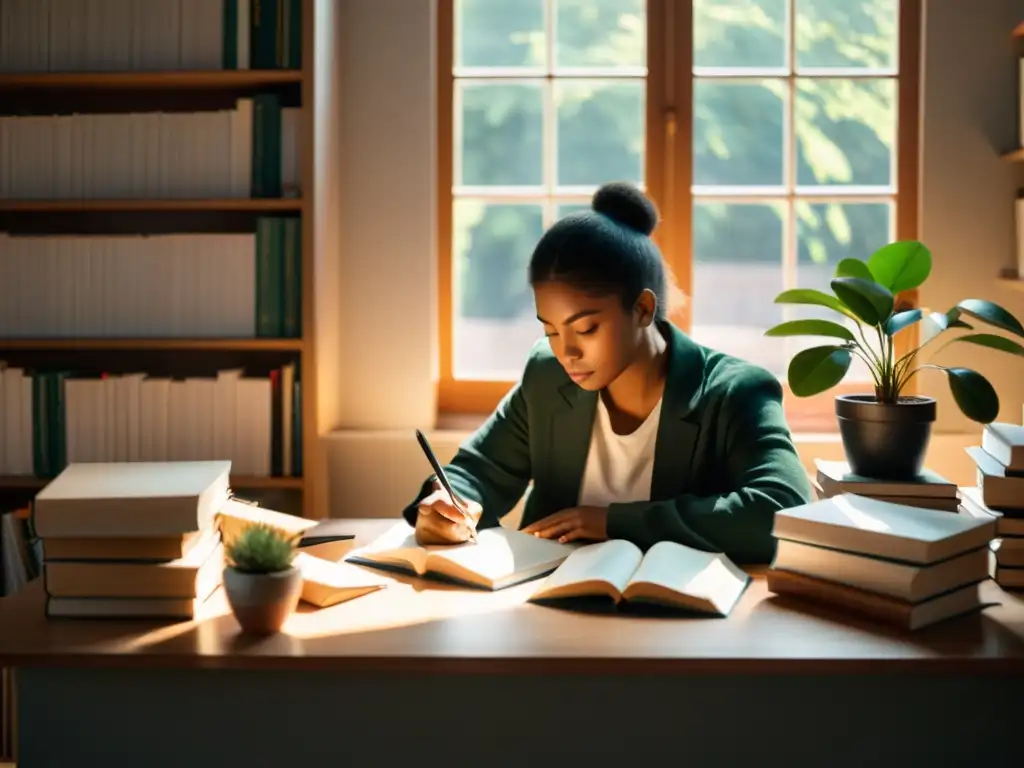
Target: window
x: 791, y: 144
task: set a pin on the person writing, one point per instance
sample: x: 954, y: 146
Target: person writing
x: 625, y: 426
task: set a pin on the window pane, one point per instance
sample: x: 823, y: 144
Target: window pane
x: 846, y: 33
x: 600, y: 33
x: 826, y: 234
x: 737, y: 272
x: 564, y: 209
x: 502, y: 126
x: 600, y: 131
x: 737, y: 132
x: 495, y: 323
x: 845, y: 131
x: 499, y: 33
x: 739, y: 33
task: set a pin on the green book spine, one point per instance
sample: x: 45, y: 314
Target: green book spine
x: 295, y: 35
x: 292, y: 278
x: 283, y: 35
x: 259, y: 145
x: 263, y: 34
x: 230, y: 34
x: 265, y: 279
x: 58, y: 423
x: 277, y: 270
x: 272, y: 155
x: 266, y: 145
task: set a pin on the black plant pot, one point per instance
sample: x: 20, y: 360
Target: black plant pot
x: 882, y: 440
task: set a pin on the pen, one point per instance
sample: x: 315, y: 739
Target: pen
x: 443, y: 479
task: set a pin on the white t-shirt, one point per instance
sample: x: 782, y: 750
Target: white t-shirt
x: 619, y: 467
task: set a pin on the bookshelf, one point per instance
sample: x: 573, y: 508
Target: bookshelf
x: 182, y: 91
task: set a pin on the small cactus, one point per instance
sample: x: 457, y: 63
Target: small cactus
x: 261, y: 549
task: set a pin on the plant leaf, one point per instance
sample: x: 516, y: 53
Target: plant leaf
x: 811, y: 328
x: 870, y: 302
x: 992, y: 341
x: 901, y: 320
x: 937, y: 322
x: 815, y: 297
x: 973, y: 393
x: 816, y: 369
x: 853, y: 268
x: 992, y: 314
x: 902, y: 265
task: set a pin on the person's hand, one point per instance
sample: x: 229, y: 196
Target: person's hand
x: 439, y: 522
x: 572, y: 524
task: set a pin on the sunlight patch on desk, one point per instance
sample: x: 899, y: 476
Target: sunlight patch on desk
x: 402, y: 605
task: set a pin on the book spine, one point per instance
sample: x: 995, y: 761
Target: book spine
x: 265, y: 281
x: 295, y: 34
x: 259, y: 150
x: 263, y: 39
x: 297, y: 427
x: 229, y: 32
x: 292, y: 278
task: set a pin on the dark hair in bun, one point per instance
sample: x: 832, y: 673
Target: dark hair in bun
x: 606, y: 250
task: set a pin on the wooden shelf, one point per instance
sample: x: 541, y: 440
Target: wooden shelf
x: 198, y: 79
x: 1015, y: 156
x: 253, y: 345
x: 128, y: 205
x: 15, y: 482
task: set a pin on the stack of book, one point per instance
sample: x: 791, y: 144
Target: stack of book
x: 895, y: 563
x: 135, y: 539
x: 999, y: 496
x: 929, y: 490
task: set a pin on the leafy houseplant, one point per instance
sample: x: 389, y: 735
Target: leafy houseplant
x: 261, y: 582
x: 885, y: 434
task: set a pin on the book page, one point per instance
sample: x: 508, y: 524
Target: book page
x: 612, y: 562
x: 709, y: 579
x: 500, y: 555
x: 396, y: 546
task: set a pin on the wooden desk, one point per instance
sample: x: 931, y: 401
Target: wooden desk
x: 422, y: 663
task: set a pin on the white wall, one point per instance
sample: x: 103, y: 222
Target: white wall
x: 388, y: 283
x: 967, y: 192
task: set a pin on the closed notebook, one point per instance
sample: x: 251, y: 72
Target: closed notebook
x: 852, y: 523
x: 501, y: 557
x: 669, y: 574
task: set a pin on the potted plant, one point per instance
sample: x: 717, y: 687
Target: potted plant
x: 885, y: 434
x: 261, y: 583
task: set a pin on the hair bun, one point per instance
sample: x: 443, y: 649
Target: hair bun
x: 627, y: 205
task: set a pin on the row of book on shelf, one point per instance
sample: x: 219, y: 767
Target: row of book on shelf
x: 249, y: 151
x: 879, y: 548
x: 121, y: 35
x: 51, y: 418
x: 220, y: 285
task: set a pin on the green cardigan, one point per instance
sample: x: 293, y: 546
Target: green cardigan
x: 724, y: 460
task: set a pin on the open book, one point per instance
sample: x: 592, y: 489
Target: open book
x: 499, y: 559
x: 670, y: 574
